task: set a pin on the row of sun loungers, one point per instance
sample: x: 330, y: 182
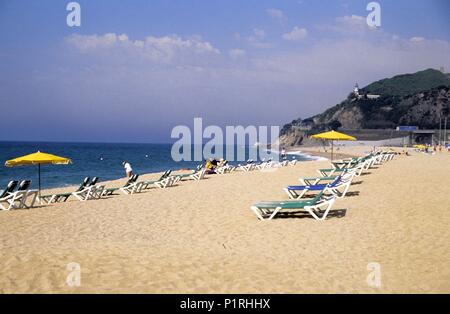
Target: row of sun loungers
x: 90, y: 189
x: 265, y: 165
x: 333, y: 183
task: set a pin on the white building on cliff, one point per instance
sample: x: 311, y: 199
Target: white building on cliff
x: 360, y: 96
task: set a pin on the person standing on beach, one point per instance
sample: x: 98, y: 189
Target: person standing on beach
x: 128, y: 169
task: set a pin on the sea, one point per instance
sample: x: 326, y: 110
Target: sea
x: 103, y: 160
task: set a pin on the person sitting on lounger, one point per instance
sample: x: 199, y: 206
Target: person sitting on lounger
x: 210, y: 166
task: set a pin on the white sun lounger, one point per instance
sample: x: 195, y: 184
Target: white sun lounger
x: 19, y: 199
x: 225, y: 169
x: 199, y: 175
x: 13, y: 200
x: 31, y: 194
x: 132, y: 188
x: 89, y: 193
x: 167, y: 182
x: 317, y: 207
x: 247, y: 167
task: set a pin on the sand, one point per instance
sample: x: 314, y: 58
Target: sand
x: 201, y: 237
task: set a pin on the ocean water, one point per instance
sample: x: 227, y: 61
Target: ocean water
x: 103, y: 160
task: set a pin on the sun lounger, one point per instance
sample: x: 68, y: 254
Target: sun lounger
x: 30, y: 198
x: 131, y: 181
x: 90, y: 192
x: 262, y: 165
x: 271, y: 164
x: 335, y: 185
x: 199, y: 175
x: 225, y: 169
x: 10, y: 187
x: 268, y: 209
x: 247, y: 167
x: 62, y: 197
x: 18, y: 200
x: 10, y: 199
x: 165, y: 183
x: 13, y: 200
x: 278, y: 164
x: 342, y: 164
x: 132, y: 188
x: 357, y: 168
x: 161, y: 182
x: 328, y: 172
x: 24, y: 185
x: 93, y: 181
x: 389, y: 156
x: 97, y: 191
x: 185, y: 175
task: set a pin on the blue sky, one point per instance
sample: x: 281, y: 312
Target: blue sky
x: 135, y: 69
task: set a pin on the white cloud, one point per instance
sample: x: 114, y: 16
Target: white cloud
x: 236, y: 53
x: 275, y: 13
x: 348, y: 25
x: 296, y: 34
x: 351, y: 19
x: 257, y: 39
x: 416, y: 39
x: 122, y: 37
x: 165, y: 48
x: 87, y: 42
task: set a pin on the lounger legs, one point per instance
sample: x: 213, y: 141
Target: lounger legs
x: 261, y: 213
x: 312, y: 210
x: 290, y: 193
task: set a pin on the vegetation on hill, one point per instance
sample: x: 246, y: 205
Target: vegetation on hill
x: 408, y: 84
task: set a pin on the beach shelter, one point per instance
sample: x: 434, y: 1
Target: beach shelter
x: 333, y: 136
x: 38, y: 159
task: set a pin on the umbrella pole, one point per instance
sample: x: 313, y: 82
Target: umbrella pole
x: 332, y: 146
x: 39, y: 181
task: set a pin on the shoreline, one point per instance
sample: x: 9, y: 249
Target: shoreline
x: 316, y: 151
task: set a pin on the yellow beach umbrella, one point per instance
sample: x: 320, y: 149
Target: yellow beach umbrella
x: 333, y: 136
x: 38, y: 159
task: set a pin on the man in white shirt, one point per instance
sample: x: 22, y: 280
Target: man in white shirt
x: 128, y: 169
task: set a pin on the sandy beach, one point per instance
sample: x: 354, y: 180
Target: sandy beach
x: 201, y: 237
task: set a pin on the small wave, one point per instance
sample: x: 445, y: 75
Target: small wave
x: 312, y: 157
x: 319, y: 158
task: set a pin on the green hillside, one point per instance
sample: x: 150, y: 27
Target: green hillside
x: 408, y: 84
